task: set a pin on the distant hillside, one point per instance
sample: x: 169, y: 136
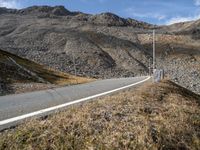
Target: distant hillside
x: 155, y: 116
x: 108, y: 19
x: 178, y: 55
x: 39, y: 34
x: 17, y: 74
x: 102, y: 45
x: 190, y: 28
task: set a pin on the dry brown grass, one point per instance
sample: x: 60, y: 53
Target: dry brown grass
x: 48, y: 74
x: 155, y: 116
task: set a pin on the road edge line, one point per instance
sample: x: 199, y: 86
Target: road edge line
x: 39, y: 112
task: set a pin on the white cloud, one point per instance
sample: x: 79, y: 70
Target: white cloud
x: 133, y: 13
x: 197, y: 2
x: 182, y: 19
x: 179, y: 19
x: 10, y: 3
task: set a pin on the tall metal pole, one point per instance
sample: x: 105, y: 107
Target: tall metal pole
x: 154, y: 58
x: 154, y: 54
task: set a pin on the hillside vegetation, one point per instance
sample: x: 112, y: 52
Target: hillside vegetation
x: 155, y: 116
x: 17, y: 73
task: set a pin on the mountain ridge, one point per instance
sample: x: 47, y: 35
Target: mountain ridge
x: 106, y: 18
x: 103, y: 45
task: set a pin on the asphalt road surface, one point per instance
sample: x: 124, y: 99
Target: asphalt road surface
x: 15, y: 108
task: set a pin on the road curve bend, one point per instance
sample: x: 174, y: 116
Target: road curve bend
x: 14, y: 108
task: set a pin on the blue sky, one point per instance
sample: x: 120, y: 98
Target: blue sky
x: 152, y: 11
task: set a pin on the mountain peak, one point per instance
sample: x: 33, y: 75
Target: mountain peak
x: 57, y: 10
x: 111, y: 19
x: 37, y: 10
x: 108, y: 19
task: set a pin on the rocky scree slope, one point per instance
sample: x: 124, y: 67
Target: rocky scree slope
x: 18, y: 75
x: 178, y: 55
x: 102, y: 45
x: 54, y: 39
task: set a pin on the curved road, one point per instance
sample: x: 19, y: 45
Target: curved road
x: 14, y: 108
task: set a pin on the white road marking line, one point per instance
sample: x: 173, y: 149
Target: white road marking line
x: 4, y: 122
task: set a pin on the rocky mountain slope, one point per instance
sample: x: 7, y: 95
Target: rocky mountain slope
x: 19, y: 75
x: 184, y: 27
x: 179, y: 56
x: 40, y: 34
x: 102, y: 45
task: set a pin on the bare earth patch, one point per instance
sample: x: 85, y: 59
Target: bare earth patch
x: 155, y: 116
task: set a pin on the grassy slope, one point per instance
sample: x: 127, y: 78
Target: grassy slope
x: 11, y: 73
x: 155, y: 116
